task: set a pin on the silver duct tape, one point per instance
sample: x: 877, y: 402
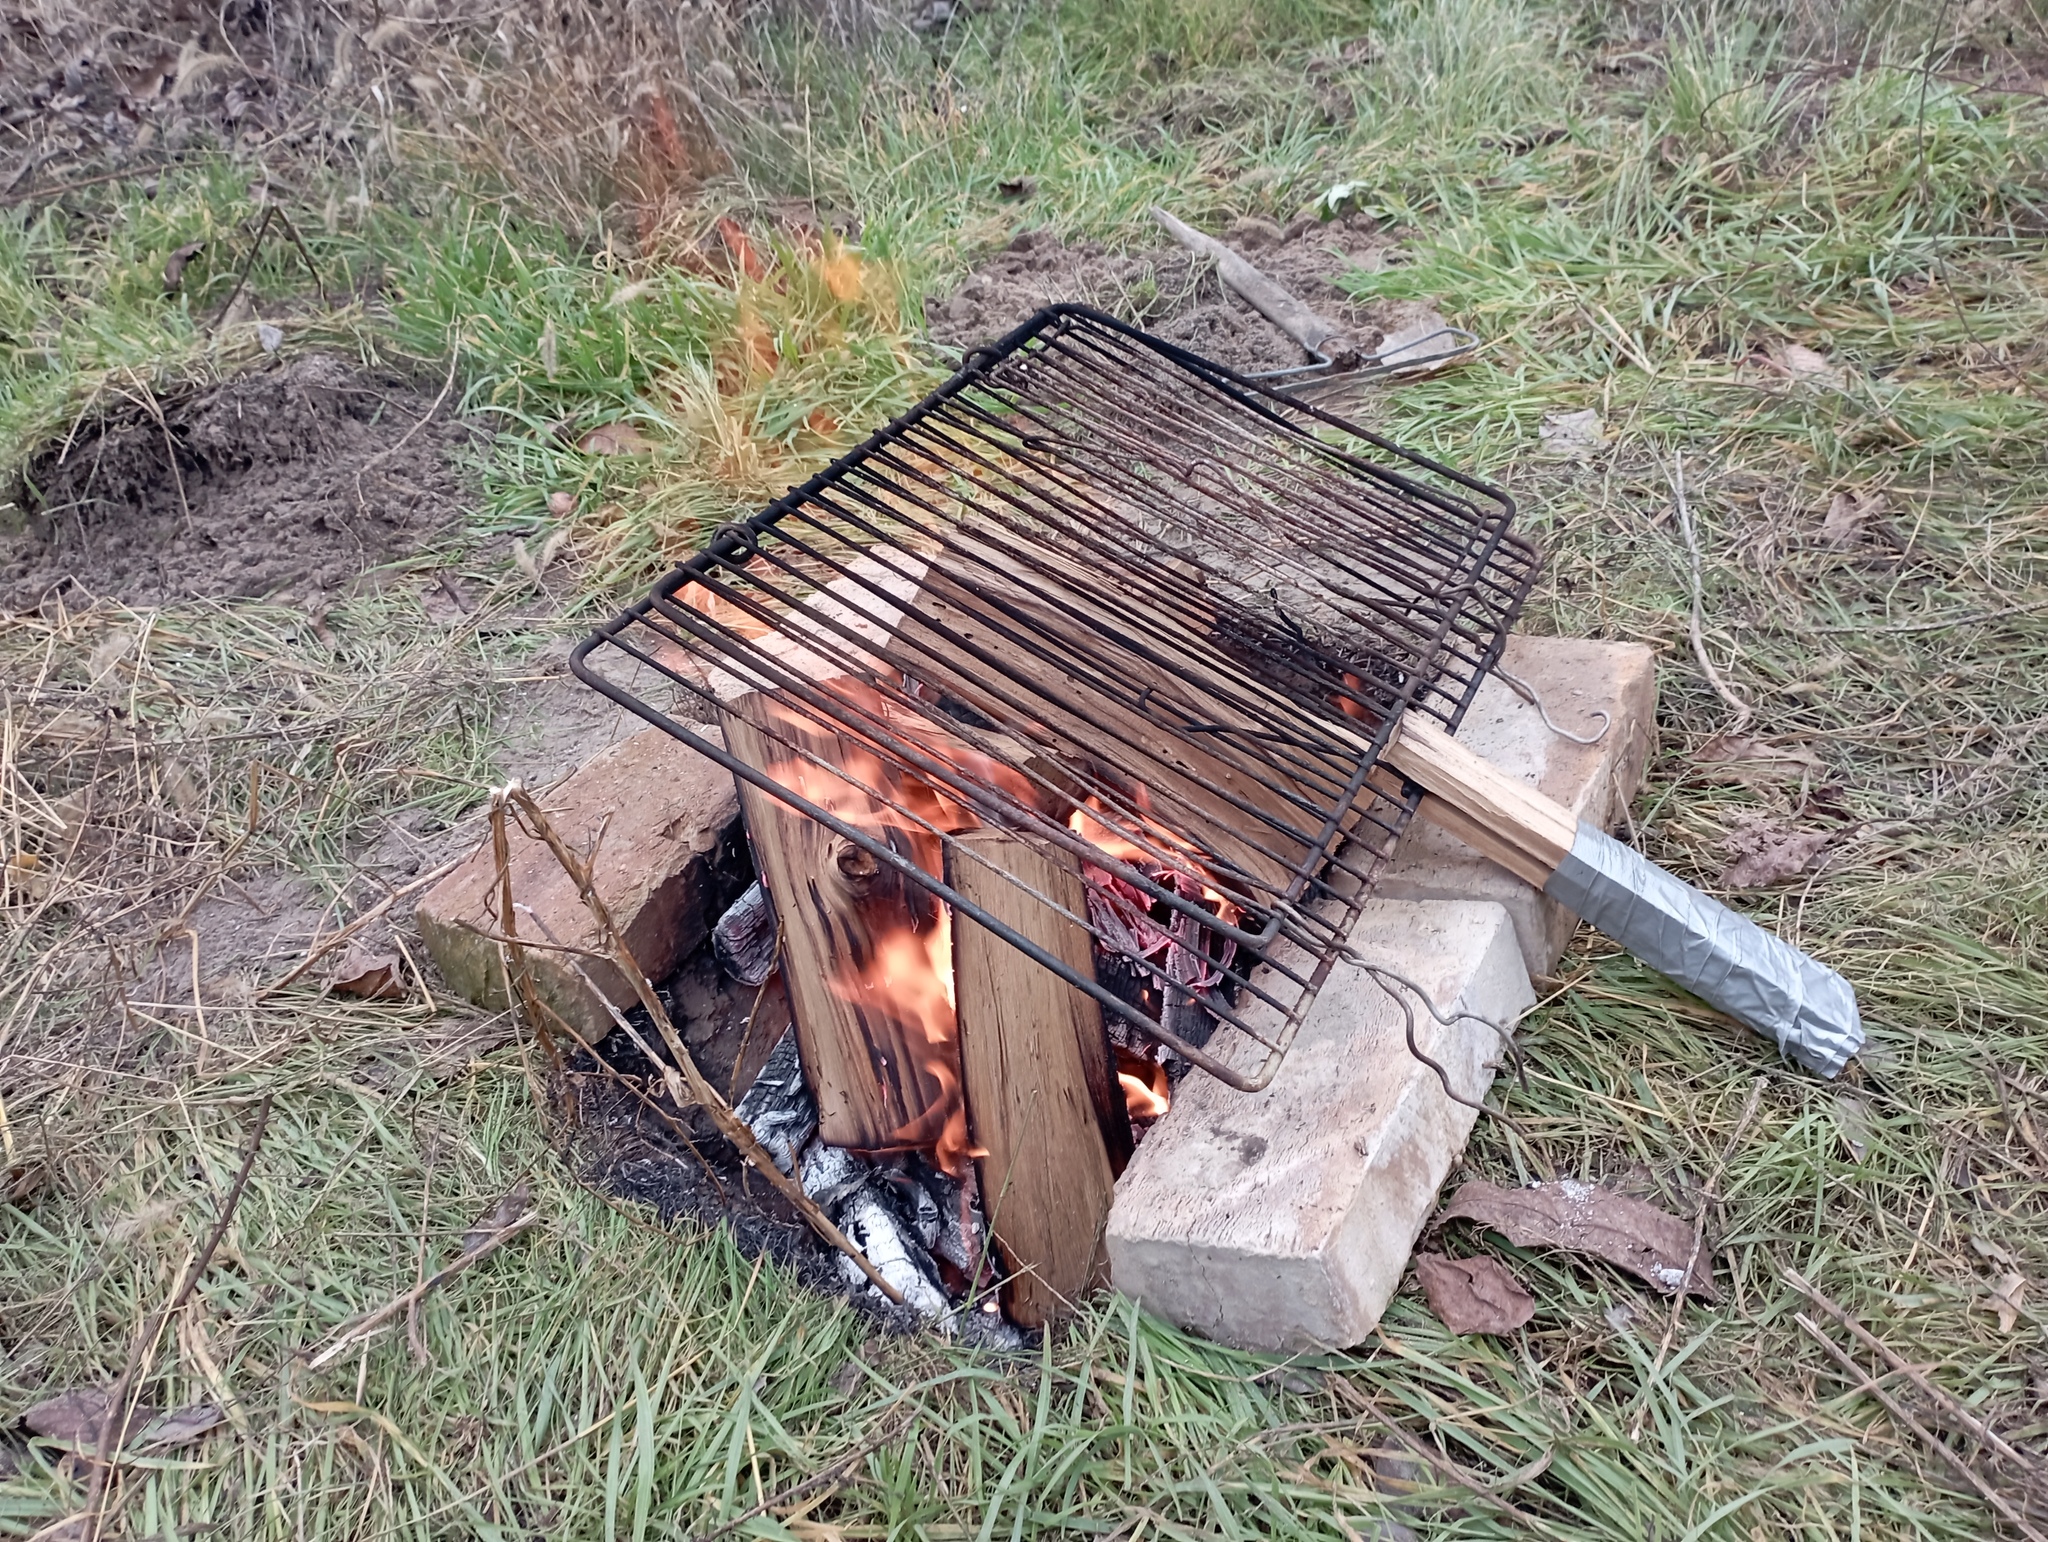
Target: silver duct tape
x: 1725, y: 959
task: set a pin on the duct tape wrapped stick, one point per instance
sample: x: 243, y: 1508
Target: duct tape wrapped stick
x: 1807, y: 1009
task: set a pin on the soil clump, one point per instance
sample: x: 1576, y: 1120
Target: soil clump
x: 1176, y: 295
x: 291, y: 478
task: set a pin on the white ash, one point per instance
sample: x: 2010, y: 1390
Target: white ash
x: 902, y: 1212
x: 779, y: 1108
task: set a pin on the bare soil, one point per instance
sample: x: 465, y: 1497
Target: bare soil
x: 290, y: 479
x: 1175, y: 295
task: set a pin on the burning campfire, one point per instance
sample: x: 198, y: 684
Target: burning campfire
x: 1058, y: 712
x: 1047, y: 730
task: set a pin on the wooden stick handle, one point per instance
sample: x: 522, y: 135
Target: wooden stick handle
x: 1490, y: 811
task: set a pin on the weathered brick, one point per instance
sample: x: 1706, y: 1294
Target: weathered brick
x: 1282, y: 1219
x: 665, y: 823
x: 1576, y: 678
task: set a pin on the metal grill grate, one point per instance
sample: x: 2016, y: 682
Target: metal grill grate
x: 1110, y: 597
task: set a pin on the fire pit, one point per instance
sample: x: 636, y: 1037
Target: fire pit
x: 1057, y: 710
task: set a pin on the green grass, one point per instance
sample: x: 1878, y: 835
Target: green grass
x: 1632, y: 243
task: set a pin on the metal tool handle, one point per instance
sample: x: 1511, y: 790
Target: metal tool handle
x: 1797, y: 1002
x: 1725, y: 959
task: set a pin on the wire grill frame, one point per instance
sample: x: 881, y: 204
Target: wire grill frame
x: 1128, y: 582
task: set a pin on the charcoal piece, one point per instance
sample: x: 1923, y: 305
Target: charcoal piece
x: 832, y: 1173
x: 745, y: 937
x: 987, y: 1328
x: 779, y: 1108
x: 957, y: 1213
x: 871, y: 1224
x: 915, y: 1205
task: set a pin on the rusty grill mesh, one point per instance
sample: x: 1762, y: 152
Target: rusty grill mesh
x: 1133, y: 609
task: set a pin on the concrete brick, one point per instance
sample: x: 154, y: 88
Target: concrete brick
x: 1282, y: 1220
x: 665, y: 822
x: 1576, y: 678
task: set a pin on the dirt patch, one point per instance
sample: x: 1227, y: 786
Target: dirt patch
x: 292, y: 478
x: 1178, y: 296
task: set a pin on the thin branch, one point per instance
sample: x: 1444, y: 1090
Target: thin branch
x: 370, y: 1322
x: 1743, y: 711
x: 116, y: 1416
x: 684, y: 1073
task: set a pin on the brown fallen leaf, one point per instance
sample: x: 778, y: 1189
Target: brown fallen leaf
x: 1584, y: 1218
x: 1847, y: 516
x: 515, y: 1202
x: 1420, y: 345
x: 2007, y: 1295
x: 561, y: 503
x: 1763, y: 853
x: 73, y: 1418
x: 181, y: 1427
x: 372, y: 976
x: 1473, y: 1295
x: 1740, y: 758
x: 615, y: 439
x: 174, y: 265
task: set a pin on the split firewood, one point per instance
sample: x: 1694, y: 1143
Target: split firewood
x: 1043, y: 1107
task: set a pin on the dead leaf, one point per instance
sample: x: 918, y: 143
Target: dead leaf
x: 1473, y: 1295
x: 24, y: 876
x: 614, y: 439
x: 1852, y: 1119
x: 561, y: 504
x: 516, y: 1201
x: 1802, y: 361
x: 2008, y: 1295
x: 372, y: 976
x: 174, y: 265
x: 1420, y: 346
x: 1848, y: 514
x: 1749, y: 762
x: 181, y: 1427
x: 1764, y: 853
x: 1984, y: 1247
x: 1584, y: 1218
x: 1572, y: 435
x: 73, y: 1418
x: 180, y: 788
x: 111, y: 650
x: 742, y: 250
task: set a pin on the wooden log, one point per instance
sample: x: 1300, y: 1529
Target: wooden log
x: 1316, y: 334
x: 1035, y: 1062
x: 876, y: 1038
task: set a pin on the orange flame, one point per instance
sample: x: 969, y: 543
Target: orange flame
x: 1147, y: 1092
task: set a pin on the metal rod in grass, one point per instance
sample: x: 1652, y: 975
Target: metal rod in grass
x: 700, y: 1090
x: 113, y: 1431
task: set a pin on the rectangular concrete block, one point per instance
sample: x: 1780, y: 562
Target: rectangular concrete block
x: 1576, y: 679
x: 1282, y: 1220
x: 665, y: 824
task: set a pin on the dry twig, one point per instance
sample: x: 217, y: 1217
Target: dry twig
x: 686, y: 1082
x: 116, y: 1416
x: 352, y: 1335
